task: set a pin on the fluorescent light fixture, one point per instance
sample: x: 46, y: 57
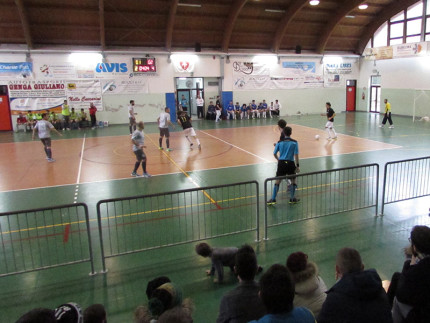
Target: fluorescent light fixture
x: 266, y: 59
x: 184, y: 57
x: 350, y: 16
x: 85, y: 59
x: 363, y: 6
x: 274, y: 10
x: 314, y: 2
x: 332, y: 59
x: 190, y: 5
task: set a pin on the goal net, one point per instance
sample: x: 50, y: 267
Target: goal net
x: 421, y: 105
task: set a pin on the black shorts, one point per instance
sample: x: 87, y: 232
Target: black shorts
x: 285, y: 167
x: 164, y: 132
x: 140, y: 155
x: 46, y: 142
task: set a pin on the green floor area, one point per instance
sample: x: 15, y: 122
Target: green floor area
x: 379, y: 239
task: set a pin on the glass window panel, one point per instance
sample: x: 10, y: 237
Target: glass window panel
x: 413, y: 39
x: 396, y: 41
x: 428, y: 24
x: 369, y: 44
x: 400, y: 16
x: 428, y: 8
x: 415, y: 11
x: 375, y: 80
x: 396, y: 30
x: 380, y: 37
x: 413, y: 27
x: 427, y: 37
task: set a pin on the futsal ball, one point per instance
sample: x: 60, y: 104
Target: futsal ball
x: 317, y: 137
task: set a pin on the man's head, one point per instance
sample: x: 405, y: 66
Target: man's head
x: 131, y: 102
x: 420, y: 239
x: 348, y: 260
x: 38, y: 315
x: 65, y: 101
x: 166, y: 109
x: 277, y: 290
x: 276, y: 101
x: 140, y: 125
x: 203, y: 249
x: 282, y: 123
x: 385, y: 100
x: 44, y: 116
x: 155, y: 283
x: 95, y: 313
x: 73, y: 109
x: 328, y: 105
x: 288, y: 131
x: 246, y: 263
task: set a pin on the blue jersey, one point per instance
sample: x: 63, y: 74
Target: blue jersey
x: 230, y: 107
x: 265, y: 105
x: 184, y: 103
x: 237, y: 107
x: 253, y: 106
x: 287, y: 149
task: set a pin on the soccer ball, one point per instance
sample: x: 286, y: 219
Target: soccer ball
x: 317, y: 137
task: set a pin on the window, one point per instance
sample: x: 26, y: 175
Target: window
x: 380, y: 38
x: 396, y: 30
x: 413, y: 27
x: 415, y: 11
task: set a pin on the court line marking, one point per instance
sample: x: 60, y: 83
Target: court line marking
x: 78, y: 179
x: 226, y: 142
x: 178, y: 207
x: 186, y: 174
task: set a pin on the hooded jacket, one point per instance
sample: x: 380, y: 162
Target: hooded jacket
x: 356, y: 298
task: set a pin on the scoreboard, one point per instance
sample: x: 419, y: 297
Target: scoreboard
x: 144, y: 65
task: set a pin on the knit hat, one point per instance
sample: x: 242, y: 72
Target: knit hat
x: 69, y: 313
x: 165, y: 297
x: 297, y: 261
x: 420, y: 238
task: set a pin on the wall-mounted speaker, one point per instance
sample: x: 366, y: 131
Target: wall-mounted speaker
x: 298, y: 49
x: 198, y: 47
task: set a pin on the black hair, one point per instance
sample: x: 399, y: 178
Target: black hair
x: 155, y: 283
x: 348, y: 260
x: 159, y: 302
x: 277, y: 290
x: 282, y: 123
x: 420, y: 238
x: 203, y: 249
x: 246, y: 263
x: 288, y: 131
x: 95, y: 313
x: 328, y: 103
x: 38, y: 315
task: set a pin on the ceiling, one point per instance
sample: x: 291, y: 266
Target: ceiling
x: 224, y: 26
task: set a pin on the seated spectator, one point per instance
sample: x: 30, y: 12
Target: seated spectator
x: 54, y: 120
x: 21, y: 122
x: 230, y: 111
x: 253, y: 109
x: 276, y: 108
x: 220, y: 257
x: 74, y: 119
x: 69, y: 313
x: 31, y: 119
x: 95, y: 313
x: 176, y: 315
x: 211, y: 113
x: 243, y: 111
x: 270, y: 109
x: 163, y: 299
x: 243, y: 304
x: 38, y: 315
x: 83, y: 119
x: 265, y: 109
x: 310, y: 288
x: 237, y: 110
x: 357, y: 296
x: 154, y: 284
x: 412, y: 288
x: 277, y: 294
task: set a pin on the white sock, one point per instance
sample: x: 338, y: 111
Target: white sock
x: 188, y: 139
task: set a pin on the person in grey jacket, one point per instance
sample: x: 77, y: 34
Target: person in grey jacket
x: 309, y: 286
x: 243, y: 304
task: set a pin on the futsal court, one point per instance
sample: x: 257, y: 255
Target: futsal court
x: 94, y: 165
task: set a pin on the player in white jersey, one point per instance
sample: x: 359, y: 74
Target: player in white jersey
x: 138, y: 140
x: 131, y: 117
x: 44, y: 128
x: 163, y: 124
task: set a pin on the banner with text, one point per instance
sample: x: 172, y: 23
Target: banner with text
x: 124, y: 86
x: 20, y: 70
x: 81, y: 93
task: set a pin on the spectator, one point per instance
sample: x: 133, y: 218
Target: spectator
x: 38, y: 315
x: 154, y: 284
x: 83, y: 119
x: 310, y: 288
x: 200, y: 106
x: 277, y: 294
x: 243, y: 304
x: 230, y: 111
x: 220, y: 257
x: 357, y: 296
x: 210, y: 115
x: 31, y: 119
x: 93, y: 111
x: 176, y: 315
x: 65, y: 111
x: 412, y: 300
x: 95, y: 313
x: 237, y: 110
x: 276, y: 108
x: 69, y: 313
x: 21, y: 121
x: 54, y: 120
x: 74, y: 119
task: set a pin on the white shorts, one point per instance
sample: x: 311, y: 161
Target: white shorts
x: 189, y: 132
x: 329, y: 124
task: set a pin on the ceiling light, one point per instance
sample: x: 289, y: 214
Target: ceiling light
x: 189, y: 5
x: 274, y: 10
x: 314, y: 2
x: 363, y: 6
x: 350, y: 16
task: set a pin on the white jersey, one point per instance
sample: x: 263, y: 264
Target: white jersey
x: 43, y: 128
x: 139, y: 137
x: 277, y: 106
x: 164, y: 119
x: 200, y: 102
x: 131, y: 111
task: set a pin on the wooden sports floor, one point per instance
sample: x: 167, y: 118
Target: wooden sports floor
x: 92, y: 165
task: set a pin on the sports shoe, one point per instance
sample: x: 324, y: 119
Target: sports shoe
x: 294, y: 201
x: 328, y: 138
x: 381, y: 126
x: 161, y: 148
x: 271, y: 202
x: 134, y: 174
x: 200, y: 147
x: 391, y: 127
x: 51, y: 160
x: 191, y: 145
x: 335, y: 138
x: 169, y: 149
x: 146, y: 175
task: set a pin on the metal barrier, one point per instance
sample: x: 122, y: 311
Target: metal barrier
x: 44, y: 238
x: 405, y: 180
x: 134, y: 224
x: 322, y: 193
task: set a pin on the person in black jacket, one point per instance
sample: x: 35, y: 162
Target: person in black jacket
x: 412, y: 300
x: 357, y: 296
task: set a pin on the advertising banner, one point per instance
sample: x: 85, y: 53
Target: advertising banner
x: 183, y: 66
x: 410, y: 50
x: 250, y: 68
x: 81, y: 93
x: 124, y: 86
x: 252, y: 83
x: 56, y: 71
x: 16, y: 70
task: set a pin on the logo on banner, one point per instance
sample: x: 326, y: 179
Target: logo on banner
x: 111, y: 68
x: 184, y: 65
x: 245, y: 67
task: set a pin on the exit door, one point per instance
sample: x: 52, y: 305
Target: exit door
x: 351, y: 90
x: 5, y: 116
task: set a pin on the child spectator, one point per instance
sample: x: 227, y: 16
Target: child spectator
x: 95, y: 313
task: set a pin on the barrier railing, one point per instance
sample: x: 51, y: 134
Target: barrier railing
x: 44, y: 238
x: 134, y: 224
x: 405, y: 180
x: 322, y: 193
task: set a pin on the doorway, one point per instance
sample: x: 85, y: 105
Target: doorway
x: 375, y: 93
x: 187, y: 89
x: 351, y: 91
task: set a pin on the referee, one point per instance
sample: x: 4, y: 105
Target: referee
x: 288, y: 164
